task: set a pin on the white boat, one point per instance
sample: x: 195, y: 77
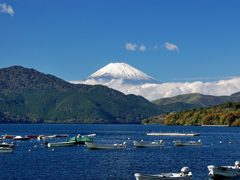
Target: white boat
x: 92, y: 145
x: 184, y: 174
x: 188, y: 143
x: 43, y: 137
x: 6, y: 150
x: 225, y: 171
x: 2, y: 138
x: 91, y: 136
x: 149, y: 144
x: 59, y: 144
x: 6, y: 145
x: 20, y: 138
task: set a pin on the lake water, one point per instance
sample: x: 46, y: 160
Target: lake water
x: 32, y: 160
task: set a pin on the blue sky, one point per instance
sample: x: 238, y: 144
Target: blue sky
x: 73, y: 39
x: 170, y: 40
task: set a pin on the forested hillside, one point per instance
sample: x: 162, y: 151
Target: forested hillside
x: 28, y: 96
x: 224, y: 114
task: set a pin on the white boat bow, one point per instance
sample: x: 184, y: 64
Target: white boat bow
x: 225, y: 171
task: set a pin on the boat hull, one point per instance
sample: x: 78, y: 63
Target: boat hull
x: 6, y: 150
x: 60, y: 144
x: 172, y: 134
x: 105, y: 146
x: 190, y: 143
x: 20, y: 138
x: 171, y: 176
x: 223, y: 171
x: 148, y: 145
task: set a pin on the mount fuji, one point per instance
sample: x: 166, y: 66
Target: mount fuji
x: 123, y: 71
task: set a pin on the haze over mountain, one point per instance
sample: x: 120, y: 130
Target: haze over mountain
x: 128, y: 80
x: 123, y: 71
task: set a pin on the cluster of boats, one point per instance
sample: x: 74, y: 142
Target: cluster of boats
x: 183, y: 174
x: 217, y: 172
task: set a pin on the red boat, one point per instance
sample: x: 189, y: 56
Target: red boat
x: 29, y: 136
x: 8, y: 136
x: 61, y: 135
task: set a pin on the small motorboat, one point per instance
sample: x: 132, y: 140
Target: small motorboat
x: 8, y: 136
x: 6, y: 145
x: 225, y: 171
x: 82, y: 139
x: 61, y: 135
x: 2, y: 138
x: 59, y: 144
x: 20, y: 138
x: 184, y: 174
x: 149, y: 144
x: 91, y: 136
x: 92, y: 145
x: 44, y: 137
x: 188, y: 143
x: 6, y: 150
x: 31, y: 136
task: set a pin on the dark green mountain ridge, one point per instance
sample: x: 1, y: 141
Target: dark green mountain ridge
x: 29, y: 96
x: 193, y: 100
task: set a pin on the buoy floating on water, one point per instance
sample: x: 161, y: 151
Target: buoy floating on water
x: 52, y: 149
x: 220, y: 142
x: 29, y: 150
x: 230, y: 143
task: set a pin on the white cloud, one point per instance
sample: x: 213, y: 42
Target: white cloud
x: 130, y: 46
x: 157, y: 91
x: 6, y: 9
x: 142, y: 47
x: 171, y: 47
x: 155, y: 47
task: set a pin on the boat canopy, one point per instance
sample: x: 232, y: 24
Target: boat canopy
x: 81, y: 139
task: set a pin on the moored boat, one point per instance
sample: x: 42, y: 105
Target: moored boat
x: 184, y: 174
x: 45, y: 137
x: 82, y: 139
x: 61, y: 135
x: 188, y: 143
x: 91, y: 145
x: 2, y: 138
x: 31, y: 136
x: 20, y: 138
x: 6, y: 145
x: 225, y: 171
x: 59, y: 144
x: 6, y: 150
x: 149, y: 144
x: 8, y: 136
x: 173, y: 134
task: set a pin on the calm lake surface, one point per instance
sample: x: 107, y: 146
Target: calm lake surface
x: 32, y: 160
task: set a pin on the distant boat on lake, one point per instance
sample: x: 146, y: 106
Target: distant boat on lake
x: 149, y: 144
x: 184, y: 174
x: 188, y: 143
x: 91, y: 145
x: 225, y: 171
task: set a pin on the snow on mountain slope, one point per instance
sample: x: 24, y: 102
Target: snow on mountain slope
x: 122, y: 71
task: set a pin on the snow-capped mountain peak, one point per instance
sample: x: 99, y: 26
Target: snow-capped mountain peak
x: 122, y: 71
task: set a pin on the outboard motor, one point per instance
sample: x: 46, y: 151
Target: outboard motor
x: 199, y: 140
x: 161, y: 141
x: 237, y: 164
x: 124, y: 143
x: 46, y: 143
x: 185, y: 170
